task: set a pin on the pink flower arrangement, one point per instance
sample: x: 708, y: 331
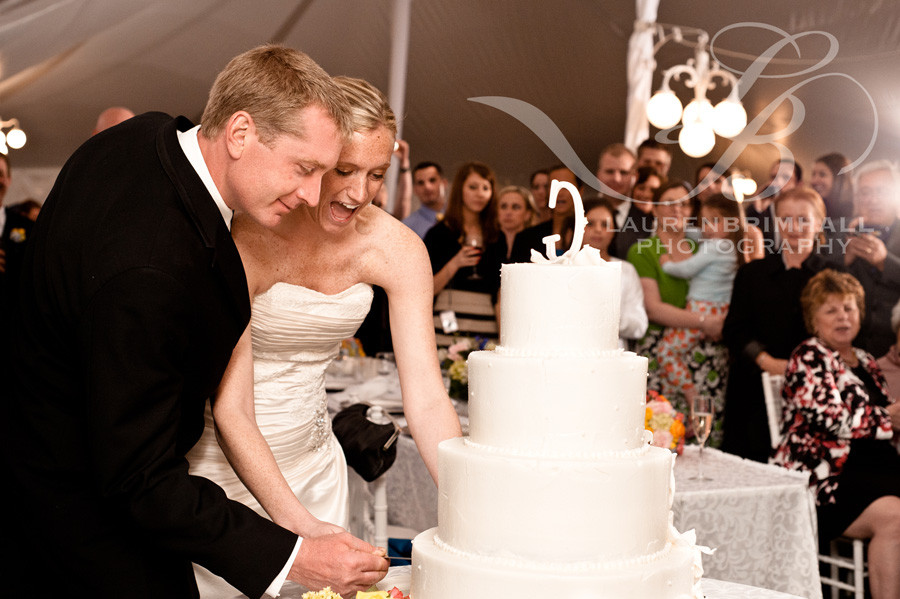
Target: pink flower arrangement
x: 666, y: 424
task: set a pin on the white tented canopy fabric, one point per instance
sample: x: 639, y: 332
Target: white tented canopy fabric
x: 64, y: 61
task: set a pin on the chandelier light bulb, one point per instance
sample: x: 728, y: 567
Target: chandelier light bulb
x: 15, y: 138
x: 698, y: 112
x: 3, y: 149
x: 696, y: 139
x: 2, y: 139
x: 664, y: 110
x: 746, y: 185
x: 729, y: 118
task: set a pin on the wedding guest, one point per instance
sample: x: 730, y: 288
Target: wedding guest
x: 838, y: 421
x: 711, y: 187
x: 871, y: 250
x: 711, y: 273
x: 656, y: 155
x: 890, y: 362
x: 15, y: 230
x: 615, y: 170
x: 29, y: 208
x: 311, y: 279
x: 646, y: 180
x: 429, y: 185
x: 540, y: 191
x: 516, y: 210
x: 111, y: 117
x: 836, y: 189
x: 784, y: 175
x: 561, y: 224
x: 599, y: 234
x: 764, y: 322
x: 134, y: 299
x: 665, y: 296
x: 456, y: 243
x: 403, y: 194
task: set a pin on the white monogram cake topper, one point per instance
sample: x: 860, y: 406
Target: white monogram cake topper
x: 575, y: 254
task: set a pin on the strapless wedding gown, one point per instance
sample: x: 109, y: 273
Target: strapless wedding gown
x: 296, y: 334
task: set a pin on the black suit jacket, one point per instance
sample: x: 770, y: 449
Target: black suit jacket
x: 13, y: 240
x: 133, y: 299
x: 638, y: 225
x: 530, y: 239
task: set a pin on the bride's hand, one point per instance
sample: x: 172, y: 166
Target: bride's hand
x: 318, y: 528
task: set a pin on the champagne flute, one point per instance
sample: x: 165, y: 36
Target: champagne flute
x: 702, y: 420
x: 474, y: 241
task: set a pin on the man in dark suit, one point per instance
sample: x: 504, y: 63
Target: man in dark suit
x: 133, y: 299
x: 561, y: 222
x: 872, y: 254
x: 14, y: 231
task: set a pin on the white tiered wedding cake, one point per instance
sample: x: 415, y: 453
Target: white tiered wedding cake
x: 556, y: 492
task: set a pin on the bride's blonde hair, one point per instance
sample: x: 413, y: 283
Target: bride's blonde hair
x: 369, y: 108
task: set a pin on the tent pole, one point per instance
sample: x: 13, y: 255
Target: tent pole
x: 400, y: 19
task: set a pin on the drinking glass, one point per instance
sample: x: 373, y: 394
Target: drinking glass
x: 474, y: 241
x: 702, y: 420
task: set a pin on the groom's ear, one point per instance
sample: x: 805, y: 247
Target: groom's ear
x: 237, y: 131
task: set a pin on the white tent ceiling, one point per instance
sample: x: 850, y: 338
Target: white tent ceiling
x: 63, y: 61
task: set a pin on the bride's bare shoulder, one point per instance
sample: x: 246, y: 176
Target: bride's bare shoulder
x: 385, y: 230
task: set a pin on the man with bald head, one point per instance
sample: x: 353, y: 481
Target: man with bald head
x: 111, y: 117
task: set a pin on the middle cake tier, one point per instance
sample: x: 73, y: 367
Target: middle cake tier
x: 557, y: 407
x: 565, y: 510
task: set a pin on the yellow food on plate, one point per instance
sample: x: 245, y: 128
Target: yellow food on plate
x: 372, y: 595
x: 325, y: 593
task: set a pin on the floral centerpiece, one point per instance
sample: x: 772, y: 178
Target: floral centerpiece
x: 453, y: 363
x: 666, y: 424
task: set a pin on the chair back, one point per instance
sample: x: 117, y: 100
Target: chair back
x: 772, y: 384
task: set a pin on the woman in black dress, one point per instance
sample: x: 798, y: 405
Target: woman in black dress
x: 764, y: 322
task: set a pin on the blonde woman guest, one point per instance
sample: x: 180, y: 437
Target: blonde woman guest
x: 764, y: 322
x: 838, y: 421
x: 311, y: 278
x: 516, y: 211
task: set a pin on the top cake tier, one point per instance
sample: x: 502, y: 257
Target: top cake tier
x: 559, y: 309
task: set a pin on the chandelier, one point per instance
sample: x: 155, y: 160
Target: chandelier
x: 13, y: 138
x: 700, y: 121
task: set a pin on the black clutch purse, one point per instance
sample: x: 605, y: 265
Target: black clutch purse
x: 368, y: 437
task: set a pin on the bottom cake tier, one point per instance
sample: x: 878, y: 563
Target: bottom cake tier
x: 441, y: 572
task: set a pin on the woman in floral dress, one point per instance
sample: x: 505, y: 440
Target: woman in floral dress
x: 838, y: 422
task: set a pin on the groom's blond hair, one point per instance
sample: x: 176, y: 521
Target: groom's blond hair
x: 273, y: 83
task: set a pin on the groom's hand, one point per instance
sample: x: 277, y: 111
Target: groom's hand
x: 341, y: 561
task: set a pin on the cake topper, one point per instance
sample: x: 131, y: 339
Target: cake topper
x: 580, y: 223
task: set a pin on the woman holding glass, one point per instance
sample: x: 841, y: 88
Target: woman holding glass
x: 764, y: 322
x: 838, y: 421
x: 456, y: 243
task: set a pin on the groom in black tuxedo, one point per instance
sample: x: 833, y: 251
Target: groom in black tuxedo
x: 134, y: 298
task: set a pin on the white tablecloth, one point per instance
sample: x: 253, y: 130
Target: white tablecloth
x: 760, y: 519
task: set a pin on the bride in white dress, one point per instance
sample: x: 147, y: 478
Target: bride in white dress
x: 311, y: 281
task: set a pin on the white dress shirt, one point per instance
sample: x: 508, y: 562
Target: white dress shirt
x: 191, y: 148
